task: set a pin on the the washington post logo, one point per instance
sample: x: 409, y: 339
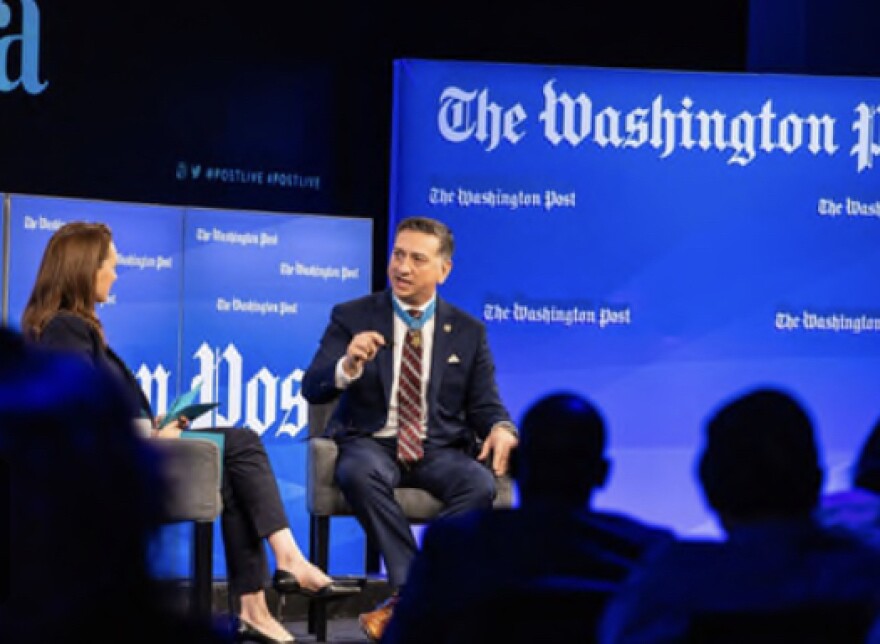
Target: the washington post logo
x: 668, y: 125
x: 264, y: 402
x: 20, y: 47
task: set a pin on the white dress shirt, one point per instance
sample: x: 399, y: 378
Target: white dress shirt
x: 400, y: 329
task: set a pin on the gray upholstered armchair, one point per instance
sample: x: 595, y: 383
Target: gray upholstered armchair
x: 324, y: 500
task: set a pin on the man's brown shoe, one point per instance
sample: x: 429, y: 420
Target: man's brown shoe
x: 374, y: 622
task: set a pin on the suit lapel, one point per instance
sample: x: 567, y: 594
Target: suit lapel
x: 383, y: 322
x: 444, y: 328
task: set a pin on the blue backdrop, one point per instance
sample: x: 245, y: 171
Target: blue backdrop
x: 238, y: 299
x: 658, y: 241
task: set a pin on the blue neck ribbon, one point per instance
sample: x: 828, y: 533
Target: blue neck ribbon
x: 411, y: 322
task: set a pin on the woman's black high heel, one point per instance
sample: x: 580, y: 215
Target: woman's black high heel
x: 285, y: 583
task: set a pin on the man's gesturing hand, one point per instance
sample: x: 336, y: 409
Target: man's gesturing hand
x: 363, y: 348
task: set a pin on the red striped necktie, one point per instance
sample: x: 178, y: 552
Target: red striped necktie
x: 409, y: 396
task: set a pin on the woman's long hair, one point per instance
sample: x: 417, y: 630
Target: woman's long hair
x: 66, y: 278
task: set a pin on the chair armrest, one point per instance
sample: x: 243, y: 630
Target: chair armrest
x: 191, y: 470
x: 503, y: 491
x: 323, y: 498
x: 322, y: 461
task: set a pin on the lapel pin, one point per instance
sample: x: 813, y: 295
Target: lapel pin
x: 447, y: 328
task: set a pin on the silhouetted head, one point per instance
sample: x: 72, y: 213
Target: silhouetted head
x: 760, y: 459
x: 867, y: 470
x: 85, y: 490
x: 561, y: 454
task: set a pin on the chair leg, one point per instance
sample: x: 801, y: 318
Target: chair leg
x: 203, y: 573
x: 279, y: 611
x: 319, y: 541
x: 319, y: 554
x: 372, y: 563
x: 232, y: 606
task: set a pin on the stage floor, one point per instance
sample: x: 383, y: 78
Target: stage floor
x: 339, y: 631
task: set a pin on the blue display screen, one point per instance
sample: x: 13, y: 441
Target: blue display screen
x: 660, y: 242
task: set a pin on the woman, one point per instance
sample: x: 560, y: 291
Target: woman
x: 77, y: 271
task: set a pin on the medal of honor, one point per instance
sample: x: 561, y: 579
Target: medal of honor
x: 415, y: 339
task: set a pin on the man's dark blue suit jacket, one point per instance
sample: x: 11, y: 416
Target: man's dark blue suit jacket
x: 462, y: 395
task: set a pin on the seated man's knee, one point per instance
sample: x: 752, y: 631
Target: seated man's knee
x: 352, y: 474
x: 479, y: 487
x: 486, y: 491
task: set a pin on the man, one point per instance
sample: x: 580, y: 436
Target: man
x: 416, y: 386
x: 779, y: 576
x: 539, y: 572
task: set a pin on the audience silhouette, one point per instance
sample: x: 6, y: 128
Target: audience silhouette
x: 857, y: 509
x: 81, y: 503
x: 80, y: 500
x: 538, y: 572
x: 778, y: 572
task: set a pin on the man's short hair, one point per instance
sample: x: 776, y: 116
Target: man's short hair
x: 431, y: 227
